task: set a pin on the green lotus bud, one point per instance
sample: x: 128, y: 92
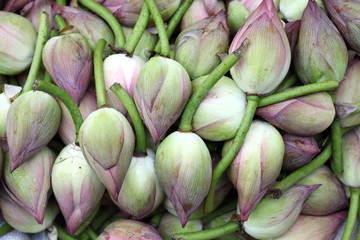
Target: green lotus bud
x: 183, y: 166
x: 221, y: 220
x: 293, y: 9
x: 4, y: 108
x: 197, y: 46
x: 220, y: 113
x: 30, y: 116
x: 273, y: 217
x: 171, y: 224
x: 17, y: 45
x: 76, y: 187
x: 237, y: 15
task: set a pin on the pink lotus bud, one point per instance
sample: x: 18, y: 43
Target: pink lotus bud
x: 199, y: 10
x: 33, y: 10
x: 273, y: 217
x: 128, y: 230
x: 346, y: 94
x: 14, y: 5
x: 321, y: 53
x: 68, y: 60
x: 161, y: 91
x: 257, y: 165
x: 30, y: 116
x: 252, y: 74
x: 67, y: 128
x: 292, y: 32
x: 314, y: 228
x: 298, y: 151
x: 303, y: 116
x: 183, y: 166
x: 34, y: 178
x: 76, y: 187
x: 345, y: 15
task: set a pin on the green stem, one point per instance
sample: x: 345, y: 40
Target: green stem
x: 60, y: 22
x: 138, y: 30
x: 47, y: 77
x: 84, y: 236
x: 4, y: 229
x: 233, y: 150
x: 91, y: 233
x: 174, y: 21
x: 155, y: 220
x: 99, y: 73
x: 220, y: 211
x: 66, y: 99
x: 336, y: 138
x: 36, y: 62
x: 212, y: 233
x: 302, y: 172
x: 210, y: 81
x: 358, y: 233
x: 53, y: 33
x: 109, y: 18
x: 297, y: 92
x: 61, y: 2
x: 129, y: 104
x: 88, y: 220
x: 288, y: 83
x: 62, y: 234
x: 348, y: 129
x: 160, y: 26
x: 104, y: 216
x: 353, y: 211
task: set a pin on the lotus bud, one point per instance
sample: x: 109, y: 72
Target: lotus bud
x: 345, y: 15
x: 273, y: 217
x: 33, y: 10
x: 321, y: 53
x: 92, y: 27
x: 252, y: 73
x: 161, y: 91
x: 183, y: 166
x: 1, y: 160
x: 127, y: 12
x: 146, y: 45
x: 22, y: 221
x: 4, y: 108
x: 107, y: 142
x: 293, y: 9
x: 128, y: 230
x: 141, y: 193
x: 119, y: 68
x: 76, y: 187
x: 292, y: 32
x: 298, y: 151
x: 67, y: 128
x: 171, y: 224
x: 17, y: 46
x: 14, y: 5
x: 237, y: 15
x: 314, y: 228
x: 346, y: 94
x: 30, y: 116
x: 220, y: 113
x: 68, y: 60
x: 257, y: 165
x: 197, y: 46
x: 303, y: 116
x: 199, y: 10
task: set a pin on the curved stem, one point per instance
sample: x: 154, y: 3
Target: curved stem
x: 66, y: 99
x: 138, y: 30
x: 212, y: 233
x: 233, y: 150
x: 174, y: 21
x: 210, y: 81
x: 99, y: 73
x: 336, y: 138
x: 160, y: 26
x: 106, y: 214
x: 289, y: 82
x: 109, y: 18
x: 129, y: 104
x: 220, y: 211
x: 82, y: 228
x: 60, y: 22
x: 353, y: 211
x: 62, y: 234
x: 297, y: 92
x: 36, y: 62
x: 4, y: 229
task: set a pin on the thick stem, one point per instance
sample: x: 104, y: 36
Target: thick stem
x: 62, y: 234
x: 91, y: 233
x: 106, y: 214
x: 233, y: 150
x: 70, y: 104
x: 60, y: 22
x: 210, y: 81
x: 47, y: 77
x: 155, y: 220
x: 61, y: 2
x: 36, y: 62
x: 53, y: 33
x: 88, y: 220
x: 4, y: 229
x: 138, y: 30
x: 220, y: 211
x: 174, y: 21
x: 297, y: 92
x: 109, y: 18
x: 212, y: 233
x: 160, y: 26
x: 288, y: 83
x: 336, y: 138
x: 129, y: 104
x: 353, y: 211
x: 99, y: 73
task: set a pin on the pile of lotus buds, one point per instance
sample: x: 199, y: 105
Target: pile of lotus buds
x: 180, y: 119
